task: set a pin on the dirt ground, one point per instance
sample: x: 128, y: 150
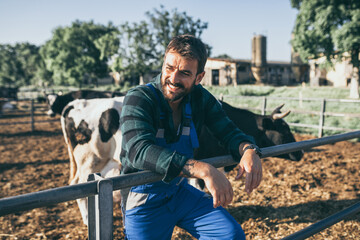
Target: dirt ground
x: 292, y: 195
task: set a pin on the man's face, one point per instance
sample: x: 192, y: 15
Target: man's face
x: 179, y: 76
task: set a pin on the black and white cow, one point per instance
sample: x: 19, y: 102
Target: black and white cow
x: 57, y: 102
x: 91, y: 128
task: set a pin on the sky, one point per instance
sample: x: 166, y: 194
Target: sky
x: 231, y: 23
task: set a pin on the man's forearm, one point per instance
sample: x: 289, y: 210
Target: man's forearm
x: 196, y: 169
x: 215, y: 181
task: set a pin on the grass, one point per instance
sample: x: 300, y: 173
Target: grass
x: 239, y: 96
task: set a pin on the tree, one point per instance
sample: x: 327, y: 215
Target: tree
x: 165, y: 25
x: 8, y: 65
x: 80, y: 53
x: 143, y: 44
x: 135, y: 57
x: 331, y: 29
x: 19, y: 64
x: 223, y: 56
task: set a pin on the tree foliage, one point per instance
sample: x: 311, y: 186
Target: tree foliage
x: 143, y: 44
x: 223, y: 56
x: 135, y: 56
x: 80, y: 53
x: 165, y: 25
x: 328, y: 28
x: 84, y: 51
x: 19, y: 64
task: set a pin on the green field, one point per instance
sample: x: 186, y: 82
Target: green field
x: 296, y: 99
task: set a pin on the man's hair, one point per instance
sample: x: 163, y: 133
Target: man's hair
x: 190, y: 47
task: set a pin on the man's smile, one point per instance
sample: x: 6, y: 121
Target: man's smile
x: 173, y: 87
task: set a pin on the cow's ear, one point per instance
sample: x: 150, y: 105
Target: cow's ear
x: 267, y: 124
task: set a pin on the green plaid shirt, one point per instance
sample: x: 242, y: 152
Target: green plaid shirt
x: 140, y: 118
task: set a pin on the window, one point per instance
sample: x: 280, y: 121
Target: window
x: 215, y: 77
x: 242, y: 68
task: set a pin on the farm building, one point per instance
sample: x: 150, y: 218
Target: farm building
x: 338, y: 76
x: 257, y: 70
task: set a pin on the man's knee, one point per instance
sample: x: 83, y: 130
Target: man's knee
x: 228, y: 231
x: 235, y: 232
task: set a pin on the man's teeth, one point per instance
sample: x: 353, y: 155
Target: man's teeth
x: 172, y: 86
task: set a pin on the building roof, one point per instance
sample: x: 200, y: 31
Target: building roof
x: 248, y: 61
x: 230, y: 60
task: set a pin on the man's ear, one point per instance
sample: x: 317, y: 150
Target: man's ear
x: 199, y: 77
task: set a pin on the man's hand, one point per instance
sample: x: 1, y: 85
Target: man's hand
x: 250, y: 164
x: 215, y: 181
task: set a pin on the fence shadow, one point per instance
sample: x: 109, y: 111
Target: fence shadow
x: 56, y: 132
x: 21, y: 165
x: 20, y: 115
x: 309, y: 212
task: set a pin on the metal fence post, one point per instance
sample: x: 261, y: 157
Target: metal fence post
x: 100, y: 210
x: 91, y: 211
x: 321, y: 120
x: 32, y: 115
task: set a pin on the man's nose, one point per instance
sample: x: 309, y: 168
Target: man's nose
x: 175, y: 76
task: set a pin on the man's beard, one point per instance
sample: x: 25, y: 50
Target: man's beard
x: 172, y: 97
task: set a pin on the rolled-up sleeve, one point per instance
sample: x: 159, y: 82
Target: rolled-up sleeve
x: 223, y: 128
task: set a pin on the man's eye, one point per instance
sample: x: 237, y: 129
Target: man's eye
x: 185, y: 73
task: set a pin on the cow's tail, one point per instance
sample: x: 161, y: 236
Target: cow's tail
x: 73, y: 165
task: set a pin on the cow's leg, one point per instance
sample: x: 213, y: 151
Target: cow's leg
x: 82, y: 202
x: 112, y: 169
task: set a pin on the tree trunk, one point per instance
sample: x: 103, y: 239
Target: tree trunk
x: 354, y: 85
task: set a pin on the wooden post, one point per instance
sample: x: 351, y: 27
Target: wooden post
x: 32, y: 115
x: 322, y: 118
x: 221, y: 97
x: 263, y: 111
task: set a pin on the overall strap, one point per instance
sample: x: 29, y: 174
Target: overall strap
x: 162, y: 114
x: 188, y: 127
x: 154, y: 91
x: 190, y: 124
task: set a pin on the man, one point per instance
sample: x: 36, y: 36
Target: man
x: 160, y: 122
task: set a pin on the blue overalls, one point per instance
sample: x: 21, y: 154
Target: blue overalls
x: 154, y: 209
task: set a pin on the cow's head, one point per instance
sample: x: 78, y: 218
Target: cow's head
x: 54, y: 104
x: 276, y: 131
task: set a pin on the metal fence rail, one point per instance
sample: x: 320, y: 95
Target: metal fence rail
x: 31, y: 115
x: 63, y: 194
x: 325, y: 223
